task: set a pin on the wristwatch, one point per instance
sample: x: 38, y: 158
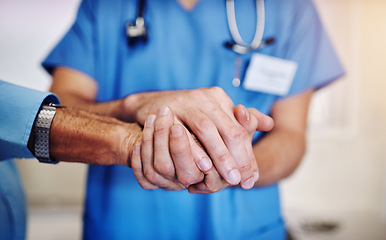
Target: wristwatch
x: 42, y: 127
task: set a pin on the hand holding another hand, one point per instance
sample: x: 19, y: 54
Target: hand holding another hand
x: 209, y: 114
x: 175, y: 163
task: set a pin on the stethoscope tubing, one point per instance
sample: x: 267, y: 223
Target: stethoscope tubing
x: 240, y: 46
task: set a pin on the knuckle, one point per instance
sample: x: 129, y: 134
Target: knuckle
x: 165, y: 169
x: 215, y: 188
x: 160, y: 129
x: 150, y: 176
x: 221, y: 94
x: 202, y: 123
x: 189, y: 179
x: 244, y: 133
x: 179, y: 99
x: 179, y: 146
x: 245, y: 168
x: 236, y: 133
x: 254, y: 165
x: 217, y: 90
x: 179, y: 152
x: 223, y: 157
x: 198, y: 94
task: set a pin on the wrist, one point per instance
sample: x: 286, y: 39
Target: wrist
x: 79, y: 136
x: 130, y: 134
x: 41, y: 133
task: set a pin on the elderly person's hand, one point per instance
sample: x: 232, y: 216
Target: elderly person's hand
x: 169, y: 146
x: 209, y: 114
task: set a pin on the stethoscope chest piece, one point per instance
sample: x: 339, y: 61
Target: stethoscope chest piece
x: 136, y: 31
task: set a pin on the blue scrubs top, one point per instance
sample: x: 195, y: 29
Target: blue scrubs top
x: 18, y: 109
x: 186, y: 50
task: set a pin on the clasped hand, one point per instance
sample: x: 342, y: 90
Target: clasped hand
x: 196, y: 139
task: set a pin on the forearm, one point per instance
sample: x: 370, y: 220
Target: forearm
x: 110, y: 109
x: 78, y: 90
x: 278, y: 154
x: 280, y: 151
x: 79, y: 136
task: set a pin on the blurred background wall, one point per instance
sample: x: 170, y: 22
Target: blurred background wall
x: 342, y: 178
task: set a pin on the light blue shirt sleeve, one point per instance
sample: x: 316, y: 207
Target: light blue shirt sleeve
x: 18, y: 109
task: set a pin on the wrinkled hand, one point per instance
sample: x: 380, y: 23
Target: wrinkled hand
x: 252, y: 120
x: 79, y: 136
x: 177, y: 160
x: 165, y: 158
x: 209, y: 114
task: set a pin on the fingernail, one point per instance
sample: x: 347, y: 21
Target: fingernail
x: 246, y: 113
x: 137, y: 148
x: 234, y: 177
x: 249, y: 183
x: 176, y: 131
x: 204, y: 164
x: 150, y: 120
x: 163, y: 111
x: 256, y: 175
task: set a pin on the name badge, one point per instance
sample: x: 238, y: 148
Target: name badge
x: 270, y: 74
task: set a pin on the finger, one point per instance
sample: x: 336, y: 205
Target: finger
x: 213, y: 182
x: 200, y: 157
x: 147, y: 158
x: 242, y: 116
x: 187, y: 171
x: 136, y: 165
x: 206, y: 131
x: 254, y: 165
x: 265, y: 122
x: 163, y: 163
x: 237, y: 140
x: 250, y: 124
x: 232, y: 135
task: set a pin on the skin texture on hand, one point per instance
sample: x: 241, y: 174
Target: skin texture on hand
x: 252, y: 120
x: 79, y: 136
x: 174, y: 156
x: 208, y: 113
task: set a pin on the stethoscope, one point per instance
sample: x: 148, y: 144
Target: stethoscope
x: 137, y: 31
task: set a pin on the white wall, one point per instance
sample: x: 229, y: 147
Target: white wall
x: 345, y: 164
x: 344, y: 169
x: 28, y: 31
